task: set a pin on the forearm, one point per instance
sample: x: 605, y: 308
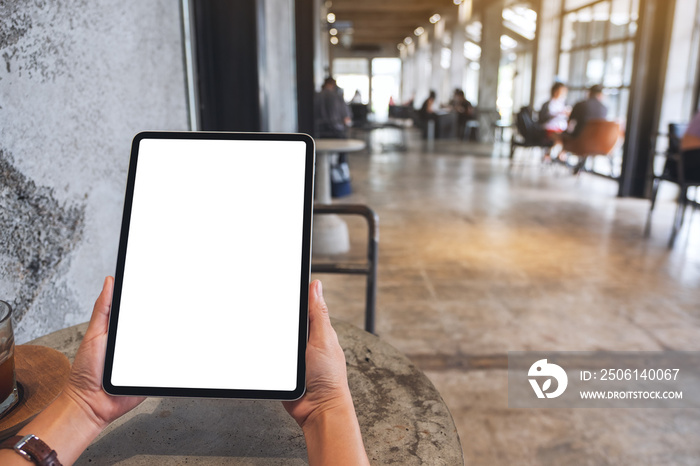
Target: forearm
x: 333, y: 437
x: 63, y: 426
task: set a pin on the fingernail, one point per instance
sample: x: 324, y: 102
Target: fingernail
x: 319, y: 289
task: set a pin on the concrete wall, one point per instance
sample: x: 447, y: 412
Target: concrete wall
x: 548, y: 43
x: 277, y: 65
x: 77, y: 80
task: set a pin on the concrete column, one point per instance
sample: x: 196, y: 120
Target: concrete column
x: 437, y: 72
x: 370, y: 72
x: 277, y: 66
x: 323, y: 65
x: 458, y: 38
x: 492, y: 24
x: 458, y: 60
x: 545, y: 61
x: 409, y: 71
x: 405, y: 85
x: 678, y: 103
x: 423, y: 66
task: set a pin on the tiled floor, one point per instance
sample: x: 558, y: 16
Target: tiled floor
x: 477, y: 259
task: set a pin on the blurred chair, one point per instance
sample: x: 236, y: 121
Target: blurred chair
x: 403, y: 112
x: 598, y: 137
x: 361, y: 126
x: 360, y: 115
x: 676, y: 170
x: 529, y: 134
x: 401, y: 119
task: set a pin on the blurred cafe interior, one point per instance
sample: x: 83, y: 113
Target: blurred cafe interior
x: 509, y: 218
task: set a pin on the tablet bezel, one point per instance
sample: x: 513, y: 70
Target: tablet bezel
x: 305, y: 273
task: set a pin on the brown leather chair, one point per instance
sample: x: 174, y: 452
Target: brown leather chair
x: 598, y: 137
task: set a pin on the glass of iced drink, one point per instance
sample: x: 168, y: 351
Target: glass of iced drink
x: 8, y: 383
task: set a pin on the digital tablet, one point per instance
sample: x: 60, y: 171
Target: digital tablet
x: 211, y: 286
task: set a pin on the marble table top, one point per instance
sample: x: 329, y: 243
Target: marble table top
x: 339, y: 145
x: 402, y: 416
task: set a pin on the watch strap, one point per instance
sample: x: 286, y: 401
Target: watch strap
x: 32, y: 448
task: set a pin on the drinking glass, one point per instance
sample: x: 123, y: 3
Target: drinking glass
x: 8, y: 383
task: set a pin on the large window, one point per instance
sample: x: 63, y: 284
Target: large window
x: 515, y: 73
x: 386, y: 84
x: 597, y: 47
x: 352, y: 76
x: 682, y: 72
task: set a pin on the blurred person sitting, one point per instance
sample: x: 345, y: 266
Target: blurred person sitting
x: 356, y: 98
x: 590, y: 109
x: 333, y: 119
x: 553, y: 117
x: 464, y: 110
x: 427, y: 112
x: 428, y: 107
x: 333, y: 116
x: 584, y: 111
x: 690, y: 148
x: 554, y: 114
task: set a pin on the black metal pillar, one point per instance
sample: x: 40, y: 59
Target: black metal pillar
x: 227, y: 64
x: 653, y: 40
x: 696, y: 91
x: 305, y: 24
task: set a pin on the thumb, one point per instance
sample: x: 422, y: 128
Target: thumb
x: 319, y: 319
x: 100, y: 313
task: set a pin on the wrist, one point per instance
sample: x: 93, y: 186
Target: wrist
x: 333, y: 437
x: 81, y: 414
x: 82, y: 411
x: 65, y: 426
x: 342, y: 408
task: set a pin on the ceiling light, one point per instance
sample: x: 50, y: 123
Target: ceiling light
x: 330, y: 17
x: 334, y: 40
x: 418, y: 31
x: 508, y: 42
x: 408, y: 41
x: 333, y: 31
x: 435, y: 18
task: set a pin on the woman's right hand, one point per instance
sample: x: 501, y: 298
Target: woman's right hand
x: 326, y: 376
x: 326, y: 413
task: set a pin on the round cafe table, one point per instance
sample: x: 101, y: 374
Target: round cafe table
x: 402, y: 416
x: 330, y: 232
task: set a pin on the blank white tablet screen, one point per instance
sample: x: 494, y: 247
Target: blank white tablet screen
x: 210, y: 295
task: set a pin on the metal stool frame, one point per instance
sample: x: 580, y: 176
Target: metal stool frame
x: 370, y: 268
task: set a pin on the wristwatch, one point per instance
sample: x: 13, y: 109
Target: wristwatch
x: 32, y: 449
